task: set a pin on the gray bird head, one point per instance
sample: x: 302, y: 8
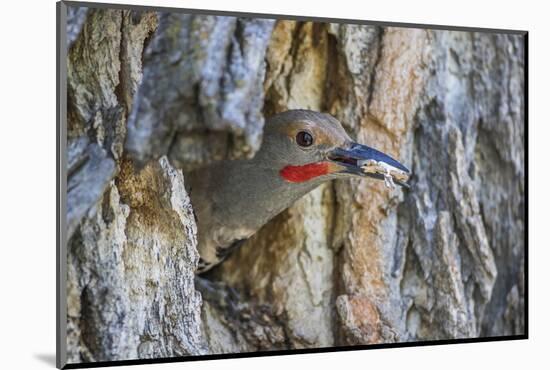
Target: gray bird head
x: 304, y: 145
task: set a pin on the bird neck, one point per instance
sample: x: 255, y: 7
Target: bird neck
x: 262, y: 192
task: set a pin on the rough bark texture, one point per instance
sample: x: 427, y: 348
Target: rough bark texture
x: 350, y: 263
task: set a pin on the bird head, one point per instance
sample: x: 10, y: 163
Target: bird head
x: 305, y: 145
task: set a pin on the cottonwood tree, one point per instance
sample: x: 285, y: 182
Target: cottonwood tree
x: 154, y: 95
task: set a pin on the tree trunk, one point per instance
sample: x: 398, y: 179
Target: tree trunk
x: 153, y: 94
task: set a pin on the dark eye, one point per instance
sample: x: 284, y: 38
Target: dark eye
x: 304, y: 138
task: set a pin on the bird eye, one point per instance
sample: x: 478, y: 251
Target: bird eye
x: 304, y: 138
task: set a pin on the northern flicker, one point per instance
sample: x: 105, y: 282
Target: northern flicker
x: 300, y: 150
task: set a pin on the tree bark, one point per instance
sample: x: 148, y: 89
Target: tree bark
x: 154, y: 95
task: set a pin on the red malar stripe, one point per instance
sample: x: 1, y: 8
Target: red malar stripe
x: 305, y: 172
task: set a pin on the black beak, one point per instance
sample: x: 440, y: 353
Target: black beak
x: 361, y: 160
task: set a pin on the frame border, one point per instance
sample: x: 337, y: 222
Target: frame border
x: 288, y: 17
x: 61, y: 186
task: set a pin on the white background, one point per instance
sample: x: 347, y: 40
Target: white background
x: 27, y: 182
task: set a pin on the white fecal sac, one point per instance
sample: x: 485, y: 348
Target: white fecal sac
x: 382, y: 168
